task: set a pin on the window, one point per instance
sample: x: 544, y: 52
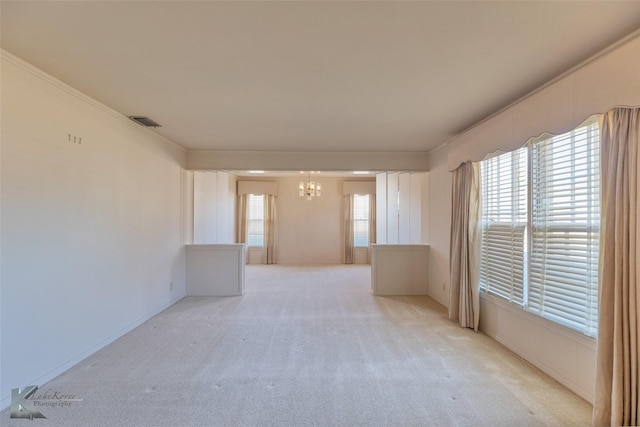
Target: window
x: 360, y: 220
x: 540, y: 227
x: 504, y: 221
x: 255, y: 221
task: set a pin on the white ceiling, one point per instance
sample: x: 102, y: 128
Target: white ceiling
x: 310, y: 76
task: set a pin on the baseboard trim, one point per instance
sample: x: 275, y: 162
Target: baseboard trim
x: 42, y: 379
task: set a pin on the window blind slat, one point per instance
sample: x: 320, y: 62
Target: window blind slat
x: 255, y: 221
x: 360, y: 220
x: 545, y: 259
x: 503, y: 225
x: 565, y: 220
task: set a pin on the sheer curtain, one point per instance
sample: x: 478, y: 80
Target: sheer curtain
x: 348, y: 229
x: 269, y: 252
x: 618, y: 363
x: 464, y: 298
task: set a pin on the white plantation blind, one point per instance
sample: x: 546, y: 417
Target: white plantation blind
x: 504, y: 220
x: 360, y: 220
x: 563, y: 283
x: 540, y: 228
x: 255, y: 221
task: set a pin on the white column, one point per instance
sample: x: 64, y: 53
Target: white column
x: 224, y: 226
x: 415, y: 209
x: 205, y: 207
x: 381, y: 208
x: 404, y: 208
x: 392, y: 208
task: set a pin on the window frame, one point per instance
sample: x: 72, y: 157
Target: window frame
x: 507, y: 226
x: 255, y: 216
x: 360, y: 220
x: 570, y: 304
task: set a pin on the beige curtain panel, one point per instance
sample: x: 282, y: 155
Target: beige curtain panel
x: 618, y: 365
x: 269, y: 252
x: 241, y: 231
x: 348, y: 229
x: 464, y: 298
x: 372, y: 218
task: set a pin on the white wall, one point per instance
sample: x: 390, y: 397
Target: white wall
x: 400, y: 201
x: 322, y: 161
x: 215, y: 270
x: 425, y: 217
x: 439, y: 213
x: 309, y: 231
x: 399, y: 269
x: 214, y: 207
x: 392, y: 206
x: 566, y: 355
x: 381, y: 208
x: 609, y: 80
x: 92, y: 232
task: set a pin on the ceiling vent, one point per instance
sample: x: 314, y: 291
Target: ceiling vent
x: 145, y: 121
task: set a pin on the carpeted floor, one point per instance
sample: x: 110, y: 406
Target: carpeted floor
x: 307, y: 346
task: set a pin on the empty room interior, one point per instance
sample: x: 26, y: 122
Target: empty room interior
x: 319, y: 213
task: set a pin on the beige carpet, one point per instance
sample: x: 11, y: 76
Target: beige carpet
x: 307, y: 346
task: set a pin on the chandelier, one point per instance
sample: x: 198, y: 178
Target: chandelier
x: 309, y: 189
